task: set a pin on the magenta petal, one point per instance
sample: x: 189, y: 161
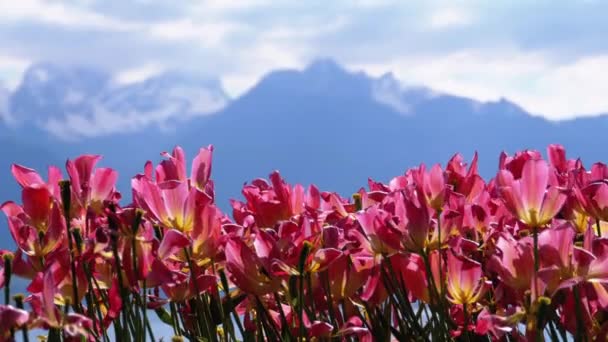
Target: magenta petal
x: 25, y: 176
x: 81, y: 168
x: 552, y: 204
x: 201, y: 167
x: 102, y: 183
x: 173, y: 241
x: 152, y: 196
x: 534, y: 179
x: 175, y: 195
x: 11, y: 318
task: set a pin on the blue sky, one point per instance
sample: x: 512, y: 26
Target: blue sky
x: 549, y: 56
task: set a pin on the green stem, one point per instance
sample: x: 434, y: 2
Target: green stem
x: 536, y: 260
x: 66, y: 197
x: 8, y: 271
x: 199, y: 306
x: 436, y: 299
x: 226, y: 288
x: 465, y: 310
x: 174, y: 316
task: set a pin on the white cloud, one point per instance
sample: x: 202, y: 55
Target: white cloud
x: 542, y: 86
x: 388, y: 91
x: 206, y: 7
x: 444, y: 18
x: 138, y: 74
x: 310, y: 31
x: 369, y: 4
x: 277, y: 47
x: 262, y: 58
x: 207, y: 34
x: 60, y: 14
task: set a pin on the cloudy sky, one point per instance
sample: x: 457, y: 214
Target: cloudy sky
x: 549, y: 56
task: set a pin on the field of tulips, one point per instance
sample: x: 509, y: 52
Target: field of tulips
x: 436, y: 254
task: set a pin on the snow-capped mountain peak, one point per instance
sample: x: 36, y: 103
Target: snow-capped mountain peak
x: 73, y: 102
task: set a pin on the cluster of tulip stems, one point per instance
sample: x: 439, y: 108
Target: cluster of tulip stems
x: 436, y: 254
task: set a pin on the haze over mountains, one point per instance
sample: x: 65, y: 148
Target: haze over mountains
x: 322, y: 125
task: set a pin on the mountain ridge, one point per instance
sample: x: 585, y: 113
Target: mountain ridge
x: 323, y: 124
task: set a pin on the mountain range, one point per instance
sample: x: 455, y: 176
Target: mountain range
x: 323, y: 124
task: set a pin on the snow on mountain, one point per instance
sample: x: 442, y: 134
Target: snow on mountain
x: 4, y: 96
x: 73, y: 103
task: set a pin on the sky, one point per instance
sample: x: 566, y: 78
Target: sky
x: 551, y: 57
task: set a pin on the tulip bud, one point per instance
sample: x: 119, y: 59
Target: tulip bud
x: 19, y: 298
x: 358, y: 201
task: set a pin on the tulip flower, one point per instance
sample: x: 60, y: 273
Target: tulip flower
x: 170, y: 203
x: 38, y: 228
x: 464, y: 282
x: 433, y: 185
x: 513, y: 262
x: 90, y: 186
x: 383, y: 238
x: 247, y: 270
x: 27, y: 177
x: 529, y: 198
x: 74, y: 325
x: 593, y: 198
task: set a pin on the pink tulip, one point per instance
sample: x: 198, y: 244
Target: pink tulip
x: 170, y: 203
x: 27, y: 177
x: 464, y: 282
x: 247, y: 271
x: 593, y: 198
x: 432, y: 184
x: 529, y: 198
x: 90, y: 186
x: 174, y: 168
x: 41, y: 233
x: 384, y: 239
x: 513, y: 262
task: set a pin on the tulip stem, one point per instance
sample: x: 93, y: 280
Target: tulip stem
x: 8, y: 271
x: 144, y: 309
x: 580, y: 329
x: 465, y: 311
x: 200, y: 300
x: 226, y: 288
x: 536, y: 261
x: 330, y: 305
x: 174, y: 324
x: 19, y: 302
x: 66, y: 197
x: 598, y: 227
x: 436, y: 299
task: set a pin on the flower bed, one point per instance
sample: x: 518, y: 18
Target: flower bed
x: 435, y: 254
